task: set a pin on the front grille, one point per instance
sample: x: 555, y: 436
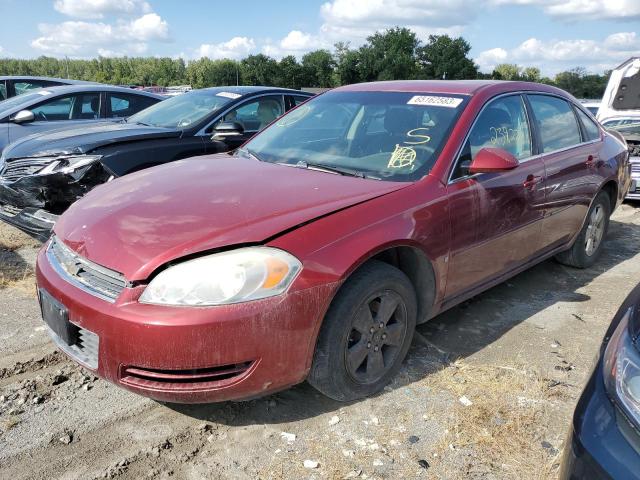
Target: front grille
x: 635, y: 167
x: 19, y: 168
x: 85, y: 350
x: 180, y: 380
x: 84, y: 274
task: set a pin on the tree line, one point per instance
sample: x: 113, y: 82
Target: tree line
x: 396, y: 53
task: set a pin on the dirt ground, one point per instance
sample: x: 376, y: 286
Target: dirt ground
x: 487, y: 392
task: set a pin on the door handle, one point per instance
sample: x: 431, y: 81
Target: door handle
x: 531, y: 182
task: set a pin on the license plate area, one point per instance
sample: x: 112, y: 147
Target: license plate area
x: 56, y: 316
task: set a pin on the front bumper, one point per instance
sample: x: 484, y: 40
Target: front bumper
x: 169, y: 353
x: 33, y: 221
x: 602, y: 444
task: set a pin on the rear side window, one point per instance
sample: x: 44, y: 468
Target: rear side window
x: 3, y: 90
x: 298, y: 100
x: 556, y: 122
x: 591, y: 130
x: 123, y: 105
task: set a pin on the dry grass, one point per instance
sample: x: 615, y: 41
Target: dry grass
x: 14, y: 271
x: 12, y: 239
x: 504, y: 432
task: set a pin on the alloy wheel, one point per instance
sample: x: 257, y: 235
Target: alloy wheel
x: 377, y: 334
x: 595, y: 230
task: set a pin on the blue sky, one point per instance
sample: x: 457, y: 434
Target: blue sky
x: 553, y: 35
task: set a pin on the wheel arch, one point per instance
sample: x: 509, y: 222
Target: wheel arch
x: 411, y: 260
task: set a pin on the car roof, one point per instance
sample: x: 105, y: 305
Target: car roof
x: 453, y: 87
x: 92, y: 87
x: 51, y: 79
x: 249, y: 89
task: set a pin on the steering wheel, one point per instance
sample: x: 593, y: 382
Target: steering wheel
x: 42, y: 116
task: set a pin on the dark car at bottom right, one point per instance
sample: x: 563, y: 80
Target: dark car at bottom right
x: 604, y: 442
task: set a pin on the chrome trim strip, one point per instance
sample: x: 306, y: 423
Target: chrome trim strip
x: 74, y: 280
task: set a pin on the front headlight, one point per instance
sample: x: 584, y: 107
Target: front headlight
x: 223, y: 278
x: 622, y: 368
x: 68, y: 164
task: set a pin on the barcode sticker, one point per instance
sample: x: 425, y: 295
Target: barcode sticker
x: 433, y: 101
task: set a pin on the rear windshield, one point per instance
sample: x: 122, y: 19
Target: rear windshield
x: 384, y: 135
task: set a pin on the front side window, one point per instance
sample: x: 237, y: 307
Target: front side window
x: 55, y: 109
x: 3, y: 90
x: 257, y: 114
x: 556, y: 122
x: 73, y: 107
x: 183, y: 111
x: 591, y: 130
x: 501, y: 124
x: 384, y: 135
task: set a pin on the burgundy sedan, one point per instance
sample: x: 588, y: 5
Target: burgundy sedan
x: 314, y: 251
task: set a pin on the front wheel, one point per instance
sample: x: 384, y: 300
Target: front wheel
x: 588, y: 245
x: 366, y: 333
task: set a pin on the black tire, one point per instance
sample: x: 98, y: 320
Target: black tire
x: 582, y: 254
x: 346, y: 334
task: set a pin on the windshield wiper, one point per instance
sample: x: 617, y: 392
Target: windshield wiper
x: 331, y: 168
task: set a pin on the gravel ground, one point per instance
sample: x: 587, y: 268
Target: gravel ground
x: 487, y: 392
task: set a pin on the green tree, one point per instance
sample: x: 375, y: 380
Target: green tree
x: 317, y: 69
x: 507, y: 71
x: 446, y: 57
x: 259, y: 70
x: 291, y: 73
x: 389, y: 55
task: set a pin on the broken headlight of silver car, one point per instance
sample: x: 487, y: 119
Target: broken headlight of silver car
x: 68, y: 164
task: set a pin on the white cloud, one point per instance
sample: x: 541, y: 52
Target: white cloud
x: 488, y: 59
x: 236, y: 48
x: 355, y: 20
x: 583, y: 9
x: 95, y: 9
x: 553, y: 56
x: 79, y: 38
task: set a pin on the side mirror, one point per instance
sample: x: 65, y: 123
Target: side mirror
x: 23, y: 116
x: 492, y: 159
x: 226, y: 130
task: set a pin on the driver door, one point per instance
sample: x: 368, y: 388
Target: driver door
x: 496, y: 218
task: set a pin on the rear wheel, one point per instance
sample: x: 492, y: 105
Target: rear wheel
x: 588, y: 246
x: 366, y: 333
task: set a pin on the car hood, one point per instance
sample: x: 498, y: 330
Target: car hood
x: 141, y: 221
x: 83, y: 139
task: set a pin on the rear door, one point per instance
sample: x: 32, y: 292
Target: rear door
x: 496, y: 218
x: 570, y: 155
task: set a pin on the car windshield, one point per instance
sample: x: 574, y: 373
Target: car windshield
x: 384, y: 135
x: 182, y: 111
